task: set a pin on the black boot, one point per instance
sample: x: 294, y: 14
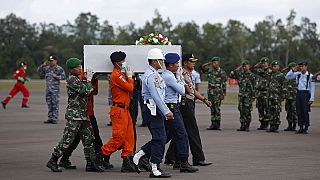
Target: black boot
x: 271, y: 129
x: 186, y: 167
x: 127, y: 166
x: 144, y: 163
x: 212, y: 126
x: 218, y: 125
x: 294, y: 126
x: 289, y: 128
x: 305, y: 130
x: 65, y: 163
x: 94, y: 163
x: 247, y: 127
x: 53, y: 164
x: 106, y: 162
x: 242, y: 127
x: 276, y: 128
x: 263, y: 125
x: 300, y: 131
x: 177, y: 164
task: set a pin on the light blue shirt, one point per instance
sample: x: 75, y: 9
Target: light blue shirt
x: 195, y: 77
x: 174, y: 87
x: 153, y: 87
x: 318, y: 78
x: 302, y: 84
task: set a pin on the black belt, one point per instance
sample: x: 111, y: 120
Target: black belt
x: 172, y: 105
x: 119, y: 105
x: 303, y: 91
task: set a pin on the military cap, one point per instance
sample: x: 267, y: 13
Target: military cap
x: 264, y: 59
x: 171, y: 58
x: 73, y: 62
x: 117, y: 56
x: 53, y: 57
x: 215, y: 58
x: 292, y: 64
x: 189, y: 57
x: 303, y: 62
x: 275, y: 62
x: 245, y: 62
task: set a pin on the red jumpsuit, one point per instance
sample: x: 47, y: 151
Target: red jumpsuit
x: 19, y: 86
x: 122, y: 127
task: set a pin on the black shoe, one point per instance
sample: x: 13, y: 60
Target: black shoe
x: 177, y: 165
x: 144, y: 163
x: 128, y: 165
x: 109, y: 124
x: 168, y: 162
x: 66, y: 164
x: 90, y: 167
x: 163, y: 175
x: 186, y: 167
x: 3, y: 105
x: 213, y: 128
x: 52, y: 164
x: 47, y: 122
x: 300, y: 131
x: 242, y: 128
x: 201, y: 163
x: 25, y: 106
x: 136, y: 167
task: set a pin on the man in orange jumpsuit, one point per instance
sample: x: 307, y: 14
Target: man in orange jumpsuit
x: 121, y: 85
x: 21, y: 76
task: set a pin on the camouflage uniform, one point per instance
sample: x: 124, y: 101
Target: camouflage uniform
x: 262, y: 94
x: 246, y: 81
x: 77, y: 118
x: 52, y: 89
x: 290, y: 105
x: 277, y: 89
x: 217, y: 79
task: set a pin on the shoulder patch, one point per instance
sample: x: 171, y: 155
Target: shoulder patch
x: 122, y: 78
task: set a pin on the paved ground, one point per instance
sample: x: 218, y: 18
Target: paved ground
x: 26, y: 144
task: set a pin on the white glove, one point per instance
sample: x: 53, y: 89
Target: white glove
x: 90, y: 74
x: 129, y: 71
x: 179, y: 75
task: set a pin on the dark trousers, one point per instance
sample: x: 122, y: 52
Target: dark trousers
x: 155, y: 147
x: 176, y: 132
x: 190, y: 123
x: 303, y: 108
x: 97, y: 140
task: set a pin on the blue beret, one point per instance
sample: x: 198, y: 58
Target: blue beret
x: 304, y: 62
x: 171, y: 58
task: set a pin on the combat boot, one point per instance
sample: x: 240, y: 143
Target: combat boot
x: 144, y: 163
x: 289, y: 128
x: 127, y: 166
x: 186, y: 167
x: 242, y: 127
x: 300, y: 131
x: 53, y: 164
x: 305, y: 130
x: 106, y: 162
x: 263, y: 126
x: 276, y: 128
x: 94, y: 164
x: 212, y: 126
x: 66, y: 163
x: 271, y: 129
x: 294, y: 126
x: 218, y: 125
x: 177, y: 164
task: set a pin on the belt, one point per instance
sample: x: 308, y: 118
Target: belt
x: 119, y: 105
x: 303, y: 91
x: 172, y: 105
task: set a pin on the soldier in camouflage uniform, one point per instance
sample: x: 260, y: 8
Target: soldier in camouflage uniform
x: 290, y: 105
x: 53, y: 74
x: 217, y: 79
x: 277, y: 91
x: 77, y: 119
x: 246, y: 80
x: 263, y: 72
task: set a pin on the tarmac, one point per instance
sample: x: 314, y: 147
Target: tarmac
x: 27, y: 143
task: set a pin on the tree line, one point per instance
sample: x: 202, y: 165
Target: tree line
x: 278, y: 39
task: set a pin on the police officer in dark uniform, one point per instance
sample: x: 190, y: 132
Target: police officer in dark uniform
x: 153, y: 91
x: 305, y: 94
x: 175, y: 129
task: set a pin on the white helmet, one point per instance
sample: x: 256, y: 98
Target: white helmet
x: 155, y: 53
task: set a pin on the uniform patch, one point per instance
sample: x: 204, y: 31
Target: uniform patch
x: 122, y: 78
x: 156, y: 81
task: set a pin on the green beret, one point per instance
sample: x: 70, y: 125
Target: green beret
x: 245, y: 62
x: 73, y: 62
x: 292, y: 64
x: 215, y: 58
x: 275, y: 62
x: 264, y: 59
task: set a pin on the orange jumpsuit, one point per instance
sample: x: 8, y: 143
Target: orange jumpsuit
x: 122, y: 127
x: 19, y: 86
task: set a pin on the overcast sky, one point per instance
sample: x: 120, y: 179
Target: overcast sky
x: 119, y: 12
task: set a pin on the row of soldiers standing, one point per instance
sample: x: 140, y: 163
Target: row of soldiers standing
x: 266, y: 84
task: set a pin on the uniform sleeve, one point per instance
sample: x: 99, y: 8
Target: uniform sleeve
x: 153, y: 85
x: 84, y: 89
x: 171, y: 81
x: 127, y: 84
x: 61, y: 74
x: 224, y: 79
x: 312, y: 88
x: 284, y: 86
x: 42, y: 70
x: 292, y: 75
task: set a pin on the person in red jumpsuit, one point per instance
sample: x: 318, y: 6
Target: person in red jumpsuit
x: 121, y: 85
x: 21, y: 76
